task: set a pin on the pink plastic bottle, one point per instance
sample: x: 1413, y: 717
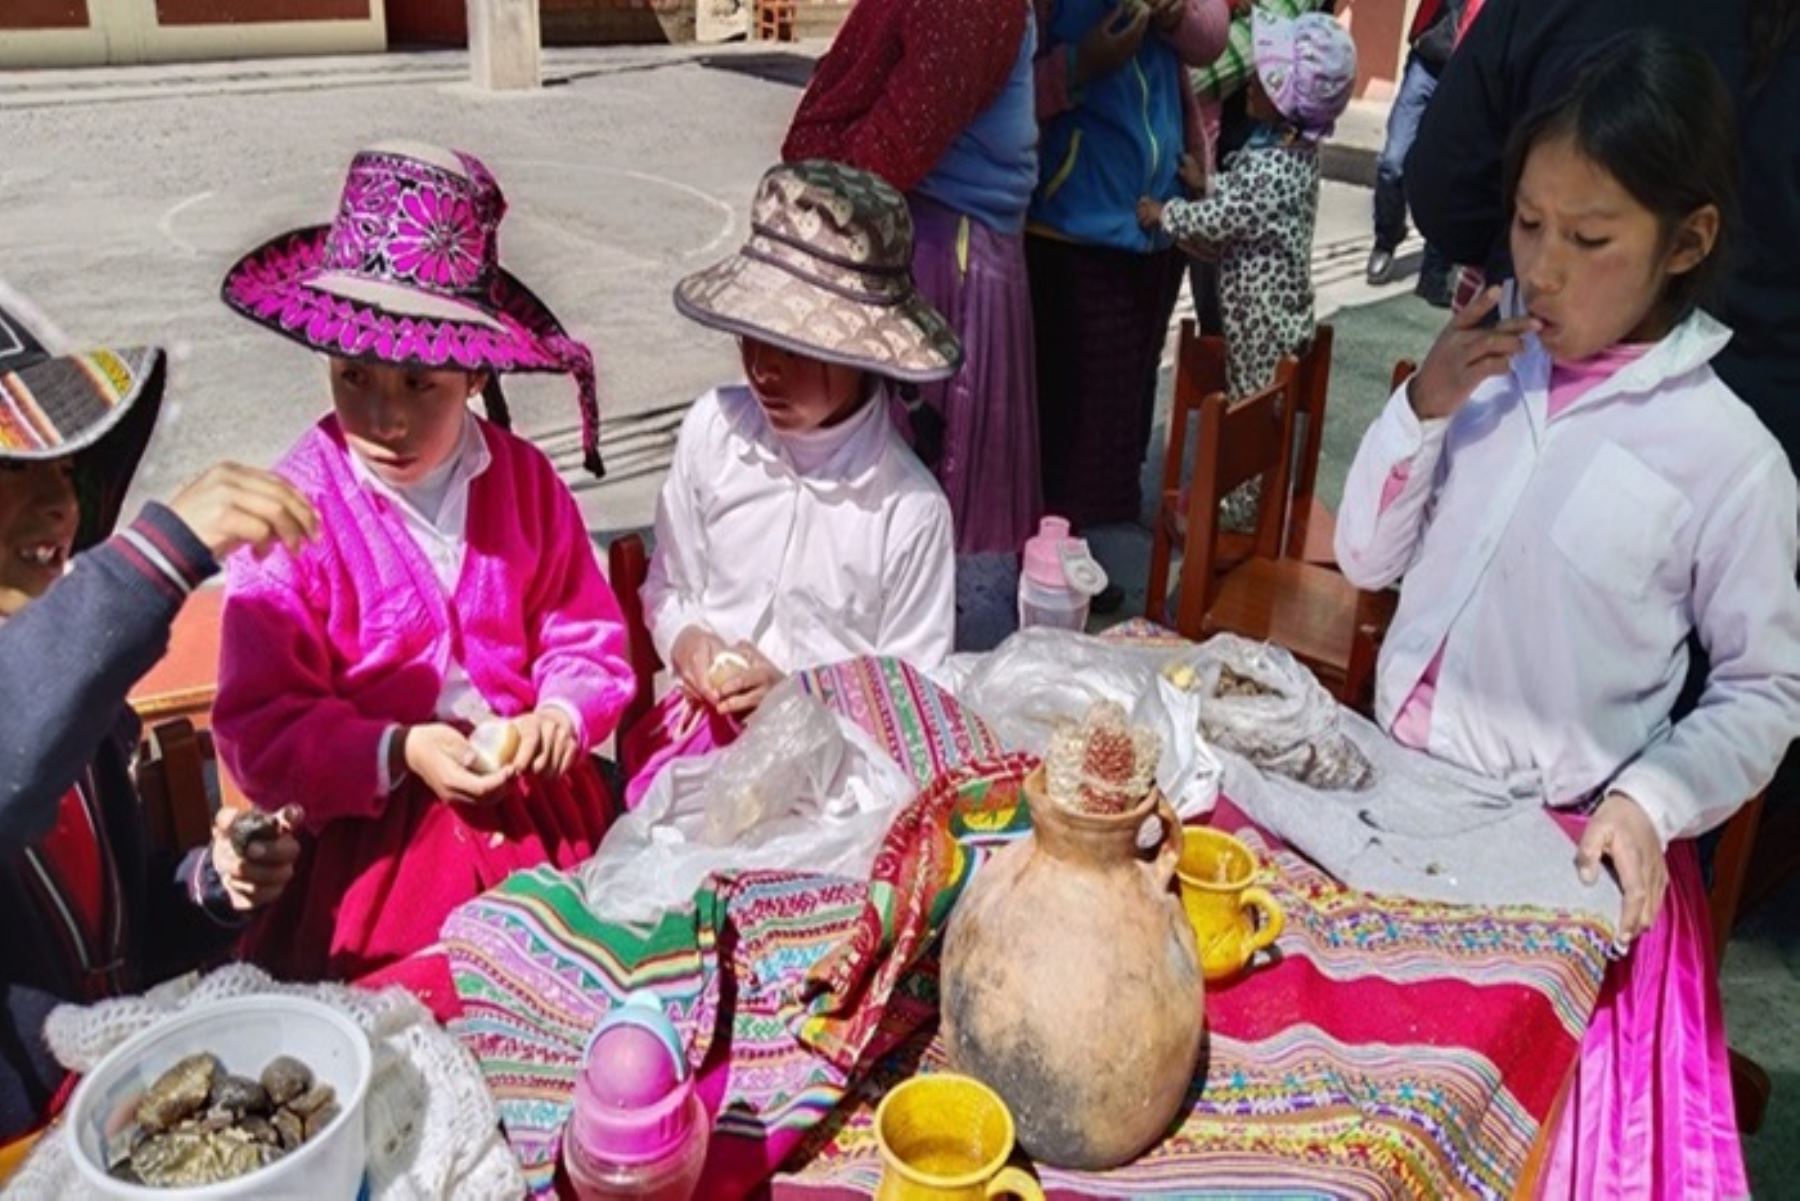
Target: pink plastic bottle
x: 638, y: 1129
x: 1058, y: 578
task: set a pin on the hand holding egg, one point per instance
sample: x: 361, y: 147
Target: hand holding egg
x: 741, y: 689
x: 693, y: 657
x: 544, y: 743
x: 451, y: 766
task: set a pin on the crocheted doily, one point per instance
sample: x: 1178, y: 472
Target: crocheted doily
x: 433, y: 1130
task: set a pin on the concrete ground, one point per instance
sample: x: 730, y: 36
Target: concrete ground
x: 128, y: 192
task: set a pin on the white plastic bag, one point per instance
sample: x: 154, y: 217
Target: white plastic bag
x: 1256, y: 700
x: 1041, y: 678
x: 802, y: 788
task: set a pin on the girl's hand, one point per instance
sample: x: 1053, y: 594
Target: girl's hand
x: 743, y: 690
x: 1621, y: 832
x: 1149, y: 213
x: 1464, y: 355
x: 231, y: 506
x: 256, y: 877
x: 696, y: 649
x: 547, y: 743
x: 1111, y: 43
x: 443, y: 759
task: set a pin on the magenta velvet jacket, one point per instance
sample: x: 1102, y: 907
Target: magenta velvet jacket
x: 323, y: 650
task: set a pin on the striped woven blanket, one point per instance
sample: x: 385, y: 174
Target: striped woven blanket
x: 1390, y: 1049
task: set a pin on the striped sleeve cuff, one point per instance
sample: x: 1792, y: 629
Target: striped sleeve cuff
x: 160, y: 546
x: 206, y: 890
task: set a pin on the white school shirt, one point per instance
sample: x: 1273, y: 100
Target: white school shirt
x: 1561, y: 566
x: 435, y: 514
x: 815, y: 548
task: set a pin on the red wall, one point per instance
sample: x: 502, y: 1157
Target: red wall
x: 43, y: 14
x: 427, y: 22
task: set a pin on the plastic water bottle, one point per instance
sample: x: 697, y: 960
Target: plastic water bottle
x: 638, y: 1129
x: 1059, y: 579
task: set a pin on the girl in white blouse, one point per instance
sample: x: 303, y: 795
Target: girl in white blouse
x: 1566, y: 496
x: 796, y: 528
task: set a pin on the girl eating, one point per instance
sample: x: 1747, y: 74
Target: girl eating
x: 452, y: 581
x: 796, y: 528
x: 1568, y: 494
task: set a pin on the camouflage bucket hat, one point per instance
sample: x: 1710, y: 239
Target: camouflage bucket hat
x: 827, y: 272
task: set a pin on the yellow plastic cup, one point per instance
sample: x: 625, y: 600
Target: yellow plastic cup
x: 1232, y: 919
x: 946, y: 1137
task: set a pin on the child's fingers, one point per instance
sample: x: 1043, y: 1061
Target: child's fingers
x: 278, y: 492
x: 741, y: 703
x: 1589, y: 851
x: 531, y: 742
x: 272, y: 512
x: 266, y: 876
x: 1628, y: 861
x: 555, y: 735
x: 465, y: 785
x: 1477, y: 310
x: 1517, y: 326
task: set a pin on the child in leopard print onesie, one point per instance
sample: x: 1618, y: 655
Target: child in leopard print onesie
x: 1260, y: 214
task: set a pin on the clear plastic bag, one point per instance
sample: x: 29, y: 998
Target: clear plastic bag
x: 1257, y: 701
x: 802, y: 788
x: 1039, y: 679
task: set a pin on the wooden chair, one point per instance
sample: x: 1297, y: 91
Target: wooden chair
x: 1200, y: 372
x: 178, y: 782
x: 1309, y: 523
x: 1750, y: 1084
x: 627, y: 566
x: 1311, y: 610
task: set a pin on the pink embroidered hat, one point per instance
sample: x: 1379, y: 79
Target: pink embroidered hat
x: 408, y: 273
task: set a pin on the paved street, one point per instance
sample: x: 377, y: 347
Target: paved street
x: 128, y: 191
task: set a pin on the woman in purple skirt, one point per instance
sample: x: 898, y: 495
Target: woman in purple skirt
x: 936, y: 97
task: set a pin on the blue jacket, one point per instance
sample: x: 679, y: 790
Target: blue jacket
x: 1123, y: 139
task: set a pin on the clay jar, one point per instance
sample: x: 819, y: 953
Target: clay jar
x: 1071, y: 983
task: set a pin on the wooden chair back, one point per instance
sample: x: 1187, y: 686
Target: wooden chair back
x: 177, y: 781
x: 1731, y: 868
x: 1199, y: 373
x: 627, y: 566
x: 1238, y: 442
x: 1312, y: 380
x: 1404, y: 369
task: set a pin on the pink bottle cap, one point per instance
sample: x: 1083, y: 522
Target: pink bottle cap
x: 1043, y: 553
x: 631, y: 1099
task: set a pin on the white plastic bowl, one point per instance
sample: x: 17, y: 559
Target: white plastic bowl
x: 245, y: 1034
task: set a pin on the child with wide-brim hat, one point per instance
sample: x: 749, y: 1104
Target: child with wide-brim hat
x: 96, y: 910
x: 796, y: 527
x: 453, y: 581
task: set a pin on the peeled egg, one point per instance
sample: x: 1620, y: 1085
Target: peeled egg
x: 723, y: 665
x: 495, y: 743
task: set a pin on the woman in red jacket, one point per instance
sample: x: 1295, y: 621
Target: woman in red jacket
x: 936, y: 97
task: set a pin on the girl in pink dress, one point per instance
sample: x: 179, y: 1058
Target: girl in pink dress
x: 1569, y: 494
x: 452, y: 581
